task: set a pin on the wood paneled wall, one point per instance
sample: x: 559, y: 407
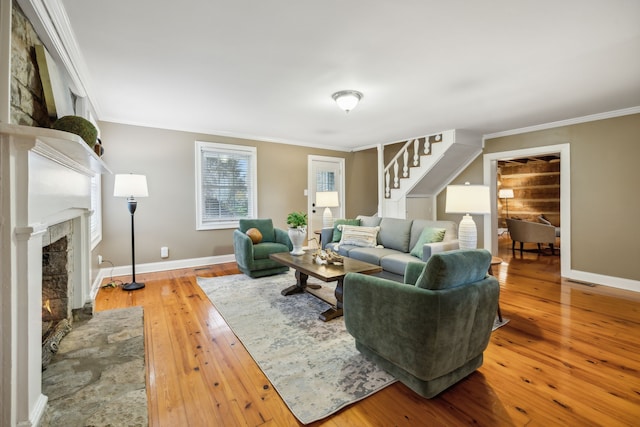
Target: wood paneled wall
x: 536, y: 190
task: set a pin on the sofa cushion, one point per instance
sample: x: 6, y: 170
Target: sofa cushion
x: 428, y: 235
x: 453, y: 268
x: 370, y: 255
x: 337, y: 233
x: 396, y: 262
x: 262, y: 250
x: 359, y: 236
x: 395, y: 233
x: 369, y: 221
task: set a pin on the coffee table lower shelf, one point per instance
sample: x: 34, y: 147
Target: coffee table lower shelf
x: 304, y: 267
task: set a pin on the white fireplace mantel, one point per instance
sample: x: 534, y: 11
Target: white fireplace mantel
x: 45, y: 179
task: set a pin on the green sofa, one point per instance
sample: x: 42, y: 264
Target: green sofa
x: 431, y: 331
x: 253, y: 259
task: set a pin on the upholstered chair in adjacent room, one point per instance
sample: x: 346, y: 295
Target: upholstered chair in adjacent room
x: 431, y: 331
x: 253, y: 258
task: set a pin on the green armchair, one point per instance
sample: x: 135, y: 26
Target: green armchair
x: 253, y: 259
x: 431, y: 331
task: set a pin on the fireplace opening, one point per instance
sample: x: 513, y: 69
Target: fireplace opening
x: 56, y: 288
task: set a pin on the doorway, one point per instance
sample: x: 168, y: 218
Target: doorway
x: 490, y: 167
x: 325, y: 174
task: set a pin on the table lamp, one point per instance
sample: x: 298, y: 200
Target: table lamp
x: 327, y: 200
x: 468, y: 199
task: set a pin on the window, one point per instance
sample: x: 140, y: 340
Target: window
x: 95, y: 221
x: 226, y: 185
x: 325, y: 181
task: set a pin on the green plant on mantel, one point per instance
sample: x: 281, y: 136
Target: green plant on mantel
x: 297, y: 220
x: 80, y: 126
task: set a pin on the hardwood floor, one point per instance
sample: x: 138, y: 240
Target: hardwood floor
x: 570, y: 355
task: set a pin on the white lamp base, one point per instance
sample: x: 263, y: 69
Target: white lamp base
x: 327, y: 218
x: 467, y: 233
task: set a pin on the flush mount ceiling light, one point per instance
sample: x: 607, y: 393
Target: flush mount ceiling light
x: 347, y: 99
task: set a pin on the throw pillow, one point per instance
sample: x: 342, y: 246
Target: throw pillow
x: 337, y: 233
x: 255, y: 235
x: 544, y: 220
x: 428, y: 235
x: 366, y: 237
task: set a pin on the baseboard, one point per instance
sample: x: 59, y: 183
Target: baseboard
x: 599, y: 279
x: 581, y: 276
x: 37, y: 412
x: 124, y: 270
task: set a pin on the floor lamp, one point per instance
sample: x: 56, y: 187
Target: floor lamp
x: 131, y: 186
x: 468, y: 199
x: 506, y: 194
x: 326, y: 200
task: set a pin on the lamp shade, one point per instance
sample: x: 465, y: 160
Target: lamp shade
x: 468, y: 199
x: 327, y: 199
x: 505, y: 193
x: 130, y: 185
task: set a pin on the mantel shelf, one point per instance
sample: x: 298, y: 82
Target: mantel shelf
x: 61, y: 146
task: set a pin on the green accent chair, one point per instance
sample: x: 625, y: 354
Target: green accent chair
x: 431, y: 331
x: 253, y: 260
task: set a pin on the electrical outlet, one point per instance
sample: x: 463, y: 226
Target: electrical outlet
x: 99, y: 259
x: 164, y: 252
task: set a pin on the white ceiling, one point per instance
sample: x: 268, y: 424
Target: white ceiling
x: 266, y: 69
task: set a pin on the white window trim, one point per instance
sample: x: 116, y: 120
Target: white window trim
x: 217, y: 147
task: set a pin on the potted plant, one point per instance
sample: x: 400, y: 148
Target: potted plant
x: 297, y: 222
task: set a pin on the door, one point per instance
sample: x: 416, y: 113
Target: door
x: 325, y: 174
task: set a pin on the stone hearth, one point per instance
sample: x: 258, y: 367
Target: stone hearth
x: 97, y: 378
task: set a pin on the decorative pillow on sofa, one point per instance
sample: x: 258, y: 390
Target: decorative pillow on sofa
x: 337, y: 233
x: 428, y: 235
x: 366, y: 237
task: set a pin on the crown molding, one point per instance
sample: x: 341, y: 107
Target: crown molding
x: 568, y: 122
x: 51, y: 22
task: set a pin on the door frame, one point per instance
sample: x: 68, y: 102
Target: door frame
x: 490, y: 167
x: 340, y: 182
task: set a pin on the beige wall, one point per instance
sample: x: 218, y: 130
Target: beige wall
x: 167, y: 216
x: 604, y: 187
x: 604, y: 177
x: 362, y: 183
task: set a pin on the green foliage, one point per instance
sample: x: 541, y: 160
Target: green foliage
x: 80, y: 126
x: 297, y: 219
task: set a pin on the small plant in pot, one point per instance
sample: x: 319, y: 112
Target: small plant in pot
x: 297, y: 222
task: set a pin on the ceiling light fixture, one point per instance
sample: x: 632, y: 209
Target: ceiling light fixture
x: 347, y: 99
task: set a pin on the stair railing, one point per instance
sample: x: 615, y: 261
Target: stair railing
x: 392, y: 169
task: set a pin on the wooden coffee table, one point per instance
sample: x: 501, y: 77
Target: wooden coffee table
x: 305, y: 267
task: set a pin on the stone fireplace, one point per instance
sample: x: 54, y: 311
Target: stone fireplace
x: 57, y: 287
x: 45, y: 185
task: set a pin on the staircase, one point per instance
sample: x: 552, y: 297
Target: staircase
x: 424, y: 166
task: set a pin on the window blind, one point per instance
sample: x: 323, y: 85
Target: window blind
x: 226, y: 185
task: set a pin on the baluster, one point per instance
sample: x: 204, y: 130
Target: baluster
x: 416, y: 147
x: 396, y: 184
x: 427, y: 146
x: 387, y: 190
x: 405, y: 163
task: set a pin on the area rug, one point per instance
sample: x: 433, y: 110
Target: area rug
x: 313, y: 365
x: 97, y: 377
x: 497, y: 323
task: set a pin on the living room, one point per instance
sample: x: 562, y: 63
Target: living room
x: 599, y: 244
